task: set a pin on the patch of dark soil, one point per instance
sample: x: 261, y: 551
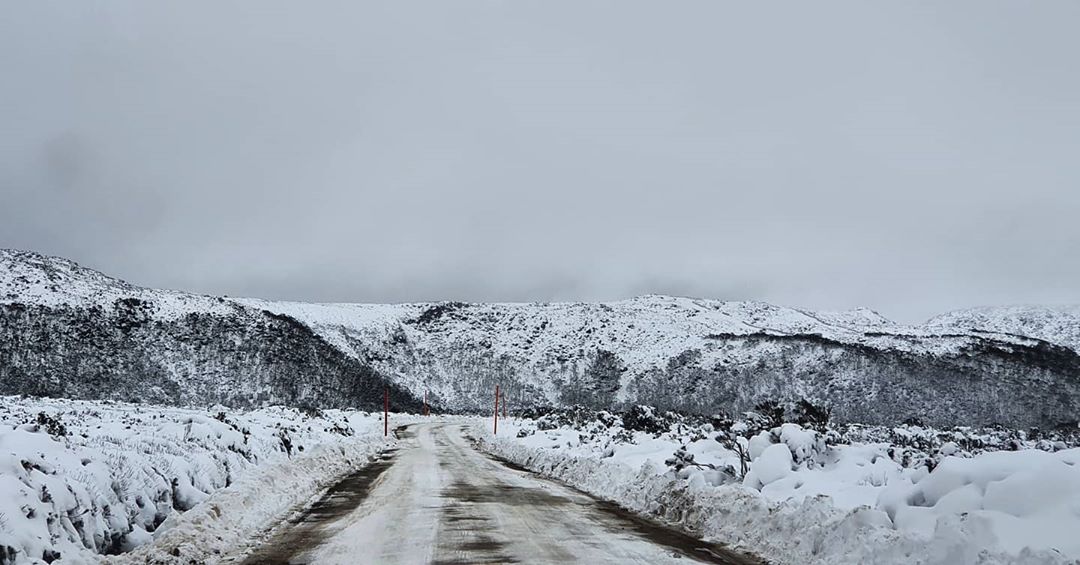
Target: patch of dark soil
x: 501, y: 494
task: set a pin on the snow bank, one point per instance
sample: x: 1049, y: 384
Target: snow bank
x: 804, y: 500
x: 86, y: 478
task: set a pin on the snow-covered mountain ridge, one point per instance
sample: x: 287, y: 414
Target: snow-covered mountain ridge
x: 1055, y: 324
x: 1011, y: 365
x: 67, y: 331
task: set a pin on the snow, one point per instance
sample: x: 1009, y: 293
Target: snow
x: 1027, y: 498
x: 81, y: 478
x: 808, y: 500
x: 773, y: 464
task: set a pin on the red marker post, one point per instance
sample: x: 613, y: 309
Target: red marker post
x: 386, y: 412
x: 496, y: 410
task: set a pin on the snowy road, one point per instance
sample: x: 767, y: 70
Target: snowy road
x: 437, y: 500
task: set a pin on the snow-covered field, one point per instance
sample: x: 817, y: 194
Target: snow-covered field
x: 85, y: 478
x: 827, y: 495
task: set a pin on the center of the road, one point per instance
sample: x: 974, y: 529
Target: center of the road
x: 436, y: 499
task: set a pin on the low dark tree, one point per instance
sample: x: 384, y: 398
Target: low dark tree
x: 53, y: 425
x: 811, y: 416
x: 772, y: 411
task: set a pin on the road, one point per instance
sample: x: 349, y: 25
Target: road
x: 438, y: 500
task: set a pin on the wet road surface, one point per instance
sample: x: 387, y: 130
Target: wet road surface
x: 437, y: 500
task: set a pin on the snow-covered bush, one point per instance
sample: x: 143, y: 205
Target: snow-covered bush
x: 646, y: 419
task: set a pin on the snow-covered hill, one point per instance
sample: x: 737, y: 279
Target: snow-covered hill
x: 703, y: 355
x: 1058, y: 324
x: 34, y: 279
x: 66, y: 331
x: 698, y: 355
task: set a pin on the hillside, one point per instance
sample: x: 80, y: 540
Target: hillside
x: 688, y: 354
x: 66, y: 331
x: 705, y: 356
x: 1060, y: 324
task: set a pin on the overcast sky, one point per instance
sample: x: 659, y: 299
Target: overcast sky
x: 911, y: 157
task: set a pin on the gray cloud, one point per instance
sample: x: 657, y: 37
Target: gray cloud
x: 911, y: 158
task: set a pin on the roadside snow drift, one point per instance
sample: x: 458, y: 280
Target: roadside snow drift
x: 837, y: 496
x: 84, y: 478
